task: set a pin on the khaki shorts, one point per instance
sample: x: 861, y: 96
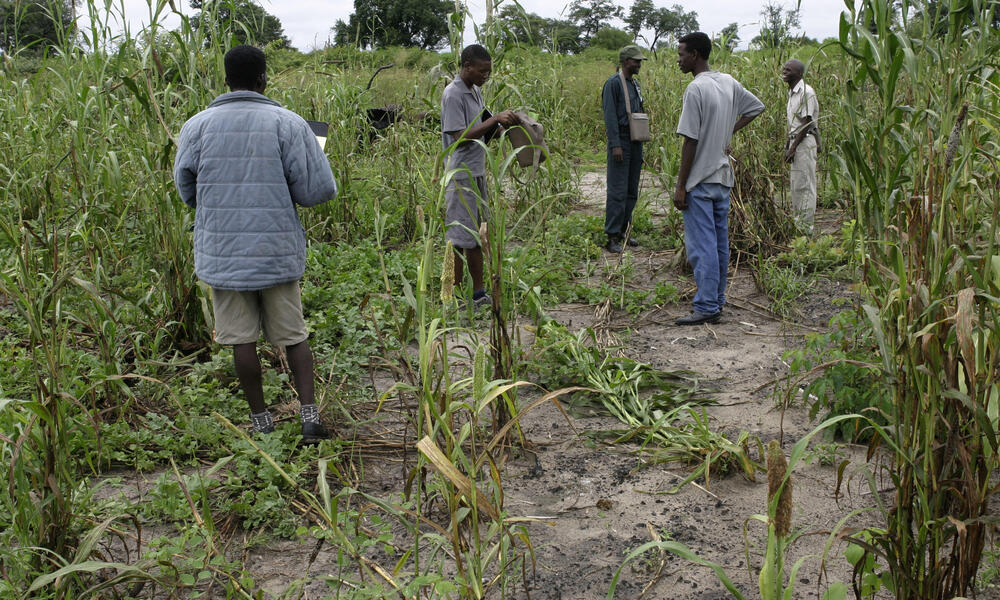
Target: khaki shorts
x: 240, y: 316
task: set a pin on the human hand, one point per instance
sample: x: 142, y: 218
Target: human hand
x: 790, y: 155
x: 680, y: 198
x: 618, y: 154
x: 507, y: 118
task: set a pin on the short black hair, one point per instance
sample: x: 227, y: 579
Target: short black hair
x: 699, y: 42
x: 473, y: 54
x: 244, y: 64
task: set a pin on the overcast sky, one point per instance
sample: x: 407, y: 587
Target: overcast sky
x: 307, y: 22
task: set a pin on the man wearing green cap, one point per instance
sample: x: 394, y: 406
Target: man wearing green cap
x: 624, y: 155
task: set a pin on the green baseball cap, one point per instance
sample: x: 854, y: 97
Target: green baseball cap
x: 631, y: 51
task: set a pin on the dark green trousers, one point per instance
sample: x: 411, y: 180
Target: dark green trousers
x: 623, y: 189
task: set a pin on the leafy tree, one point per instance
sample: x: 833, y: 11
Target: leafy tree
x: 610, y: 38
x: 245, y: 20
x: 380, y: 23
x: 728, y: 38
x: 664, y: 23
x: 519, y: 27
x: 667, y: 23
x: 35, y: 25
x: 562, y: 36
x: 593, y: 15
x: 637, y: 17
x: 776, y: 26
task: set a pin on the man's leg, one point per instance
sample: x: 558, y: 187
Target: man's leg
x: 614, y: 207
x: 459, y: 266
x: 632, y: 189
x: 802, y: 183
x: 237, y: 324
x: 702, y: 249
x: 285, y: 326
x: 248, y: 371
x: 721, y: 218
x: 300, y: 361
x: 465, y: 211
x: 474, y: 258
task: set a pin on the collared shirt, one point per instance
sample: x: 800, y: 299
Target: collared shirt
x: 802, y: 104
x: 713, y: 103
x: 613, y: 103
x: 462, y: 107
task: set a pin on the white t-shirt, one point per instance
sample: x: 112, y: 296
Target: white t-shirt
x: 713, y: 103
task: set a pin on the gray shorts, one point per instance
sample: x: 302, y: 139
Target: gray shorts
x: 467, y: 207
x: 240, y: 316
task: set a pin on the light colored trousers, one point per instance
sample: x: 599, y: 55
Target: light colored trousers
x: 803, y: 182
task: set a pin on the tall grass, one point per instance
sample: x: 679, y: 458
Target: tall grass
x: 921, y: 151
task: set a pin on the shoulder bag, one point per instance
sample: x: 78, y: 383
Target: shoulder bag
x: 638, y: 123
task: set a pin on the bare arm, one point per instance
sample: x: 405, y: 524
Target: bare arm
x: 790, y: 151
x: 505, y: 118
x: 688, y: 150
x: 743, y: 122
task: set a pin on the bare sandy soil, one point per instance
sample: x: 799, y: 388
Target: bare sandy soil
x: 603, y: 503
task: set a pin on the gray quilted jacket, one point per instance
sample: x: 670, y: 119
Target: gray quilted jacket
x: 243, y: 164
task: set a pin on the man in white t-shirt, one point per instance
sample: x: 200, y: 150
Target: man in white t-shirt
x: 715, y: 107
x: 802, y: 113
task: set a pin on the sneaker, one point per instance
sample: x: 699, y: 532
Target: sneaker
x: 314, y: 433
x: 261, y: 422
x: 480, y: 300
x: 613, y: 246
x: 697, y: 318
x: 632, y: 242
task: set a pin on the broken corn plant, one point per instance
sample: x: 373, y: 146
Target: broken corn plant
x: 488, y: 550
x: 659, y: 409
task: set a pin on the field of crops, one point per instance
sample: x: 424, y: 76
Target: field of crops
x: 129, y: 469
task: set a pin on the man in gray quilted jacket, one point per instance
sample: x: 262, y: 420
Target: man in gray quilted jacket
x: 244, y: 164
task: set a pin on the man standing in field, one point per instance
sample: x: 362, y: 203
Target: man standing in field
x: 244, y: 164
x: 803, y: 143
x: 624, y: 155
x: 466, y: 125
x: 715, y: 107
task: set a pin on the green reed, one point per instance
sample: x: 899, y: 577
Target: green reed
x: 921, y: 155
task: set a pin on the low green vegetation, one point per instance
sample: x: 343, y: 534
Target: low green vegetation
x: 112, y: 375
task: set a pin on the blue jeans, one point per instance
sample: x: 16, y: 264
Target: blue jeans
x: 623, y: 188
x: 706, y: 239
